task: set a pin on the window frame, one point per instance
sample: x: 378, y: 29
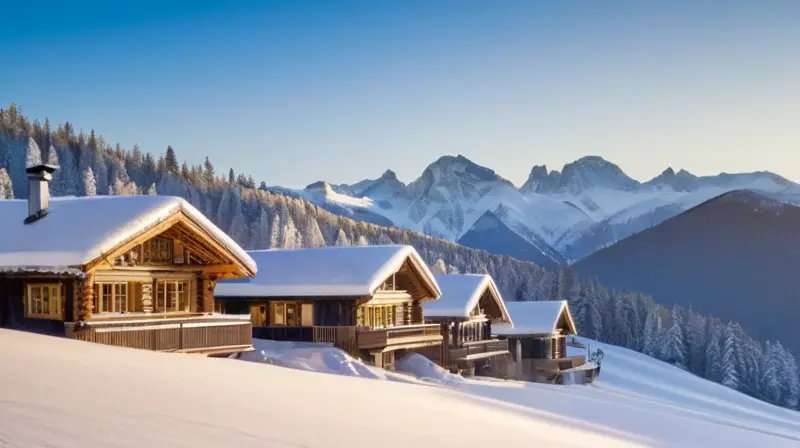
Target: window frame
x: 114, y: 288
x: 173, y: 299
x: 55, y: 293
x: 280, y: 309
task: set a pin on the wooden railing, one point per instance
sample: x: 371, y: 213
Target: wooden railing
x: 191, y: 335
x: 343, y: 337
x: 477, y: 348
x: 410, y: 334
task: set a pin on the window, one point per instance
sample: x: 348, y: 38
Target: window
x: 292, y: 314
x: 171, y: 296
x: 43, y: 301
x: 110, y: 297
x: 376, y: 316
x: 157, y: 250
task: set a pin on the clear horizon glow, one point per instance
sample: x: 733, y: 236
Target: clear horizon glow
x: 295, y: 92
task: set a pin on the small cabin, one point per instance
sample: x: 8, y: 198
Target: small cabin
x: 365, y: 300
x: 537, y: 341
x: 133, y: 271
x: 469, y: 307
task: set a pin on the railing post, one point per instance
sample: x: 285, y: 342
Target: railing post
x: 180, y: 336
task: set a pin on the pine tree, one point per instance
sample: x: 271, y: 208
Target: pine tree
x: 89, y: 184
x: 696, y: 343
x: 790, y: 386
x: 341, y: 239
x: 311, y: 233
x: 171, y: 161
x: 231, y: 177
x: 71, y: 177
x: 362, y: 241
x: 33, y: 155
x: 730, y: 376
x: 651, y: 345
x: 259, y: 231
x: 6, y: 189
x: 771, y: 379
x: 291, y: 236
x: 152, y: 190
x: 439, y: 268
x: 275, y: 233
x: 673, y: 346
x: 714, y: 338
x: 208, y: 173
x: 238, y: 227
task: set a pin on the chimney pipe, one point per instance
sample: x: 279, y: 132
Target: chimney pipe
x: 39, y: 177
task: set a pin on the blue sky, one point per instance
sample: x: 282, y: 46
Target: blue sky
x: 294, y: 92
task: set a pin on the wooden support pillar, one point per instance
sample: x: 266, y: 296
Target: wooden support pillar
x: 85, y: 299
x: 206, y: 293
x: 416, y: 312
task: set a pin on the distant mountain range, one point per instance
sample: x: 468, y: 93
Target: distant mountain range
x: 553, y: 218
x: 735, y: 256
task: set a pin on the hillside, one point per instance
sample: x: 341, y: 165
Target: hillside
x: 138, y: 398
x: 734, y: 256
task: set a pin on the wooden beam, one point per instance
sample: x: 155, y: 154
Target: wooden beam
x: 111, y: 255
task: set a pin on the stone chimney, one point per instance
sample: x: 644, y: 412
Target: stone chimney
x: 39, y: 177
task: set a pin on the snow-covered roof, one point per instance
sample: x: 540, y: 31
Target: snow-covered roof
x: 76, y: 231
x: 460, y: 295
x: 325, y: 272
x: 538, y: 317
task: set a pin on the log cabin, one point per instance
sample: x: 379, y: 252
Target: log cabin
x: 468, y: 308
x: 538, y: 345
x: 366, y: 300
x: 133, y: 271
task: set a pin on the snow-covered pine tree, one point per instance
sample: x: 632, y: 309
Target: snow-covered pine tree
x: 673, y: 345
x: 452, y: 270
x: 790, y: 386
x: 383, y: 239
x: 770, y: 380
x: 439, y: 268
x: 730, y: 376
x: 152, y: 190
x: 362, y: 241
x: 70, y: 175
x: 341, y: 239
x: 714, y: 336
x: 57, y: 184
x: 275, y: 237
x: 696, y: 342
x: 6, y: 189
x: 651, y: 343
x: 291, y: 236
x: 33, y: 155
x: 238, y: 228
x: 311, y: 233
x: 259, y: 231
x: 89, y: 183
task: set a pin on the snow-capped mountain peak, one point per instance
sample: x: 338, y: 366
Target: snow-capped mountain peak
x: 680, y: 181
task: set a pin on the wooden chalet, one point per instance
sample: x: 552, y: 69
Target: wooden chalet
x: 364, y: 300
x: 468, y: 308
x: 538, y: 345
x: 133, y: 271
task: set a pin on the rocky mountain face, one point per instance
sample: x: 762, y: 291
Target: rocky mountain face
x: 558, y: 215
x: 734, y: 256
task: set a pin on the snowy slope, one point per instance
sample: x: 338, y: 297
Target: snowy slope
x: 636, y: 398
x: 63, y: 393
x: 561, y: 215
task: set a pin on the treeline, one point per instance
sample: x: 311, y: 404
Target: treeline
x: 260, y: 219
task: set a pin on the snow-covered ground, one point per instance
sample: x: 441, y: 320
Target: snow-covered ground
x: 58, y: 392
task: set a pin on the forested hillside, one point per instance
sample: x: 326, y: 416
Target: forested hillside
x: 260, y: 219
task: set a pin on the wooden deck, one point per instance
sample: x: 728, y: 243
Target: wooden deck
x: 478, y: 350
x: 209, y: 335
x: 402, y: 337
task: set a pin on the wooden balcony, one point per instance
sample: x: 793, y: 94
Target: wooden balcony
x: 479, y: 350
x: 209, y: 335
x: 343, y: 337
x: 402, y: 337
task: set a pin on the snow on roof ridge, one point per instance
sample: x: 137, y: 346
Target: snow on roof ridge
x: 339, y: 272
x: 460, y: 297
x: 534, y: 317
x: 61, y: 238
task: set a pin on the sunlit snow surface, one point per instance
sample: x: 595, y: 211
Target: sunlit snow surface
x: 62, y: 393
